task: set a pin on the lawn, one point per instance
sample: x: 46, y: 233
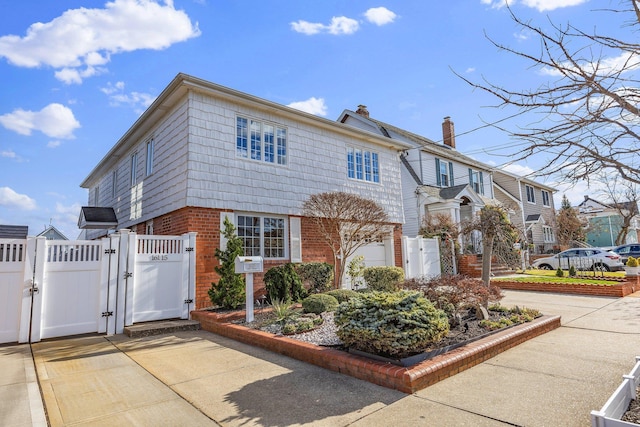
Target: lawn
x: 546, y: 276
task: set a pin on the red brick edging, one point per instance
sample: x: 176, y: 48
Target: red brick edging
x: 407, y: 380
x: 621, y: 290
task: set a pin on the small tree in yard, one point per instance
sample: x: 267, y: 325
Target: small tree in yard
x: 570, y: 228
x: 229, y: 292
x: 498, y: 237
x: 346, y: 222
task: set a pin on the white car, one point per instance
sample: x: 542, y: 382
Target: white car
x: 581, y: 259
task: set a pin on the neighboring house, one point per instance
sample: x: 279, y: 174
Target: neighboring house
x: 202, y: 152
x: 52, y: 233
x: 13, y: 231
x: 531, y: 208
x: 605, y: 221
x: 436, y: 178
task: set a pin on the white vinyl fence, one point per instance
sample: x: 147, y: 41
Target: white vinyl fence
x: 53, y: 288
x: 421, y: 257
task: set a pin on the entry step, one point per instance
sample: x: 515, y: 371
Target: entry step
x: 161, y: 327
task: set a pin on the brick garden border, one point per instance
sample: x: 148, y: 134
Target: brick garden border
x: 623, y: 289
x: 405, y: 379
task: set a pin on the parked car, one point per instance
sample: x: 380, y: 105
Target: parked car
x: 581, y: 259
x: 625, y: 251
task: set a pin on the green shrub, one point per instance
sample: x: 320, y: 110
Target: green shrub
x: 317, y: 277
x: 343, y: 295
x: 319, y: 303
x: 229, y: 292
x: 572, y: 271
x: 559, y: 272
x: 355, y: 270
x: 632, y: 262
x: 283, y: 283
x: 392, y: 324
x: 384, y: 279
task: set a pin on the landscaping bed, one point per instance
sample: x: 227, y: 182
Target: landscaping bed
x: 405, y: 379
x: 622, y: 289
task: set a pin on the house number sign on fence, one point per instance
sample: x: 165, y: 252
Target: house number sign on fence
x: 248, y: 265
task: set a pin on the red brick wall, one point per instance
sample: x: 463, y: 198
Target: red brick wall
x: 206, y: 222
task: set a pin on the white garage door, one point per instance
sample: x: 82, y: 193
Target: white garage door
x: 377, y: 254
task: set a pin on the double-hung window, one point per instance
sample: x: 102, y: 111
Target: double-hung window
x: 531, y: 195
x: 150, y: 149
x: 476, y: 181
x: 134, y: 169
x: 545, y: 198
x: 547, y: 233
x: 263, y: 236
x: 444, y: 173
x: 363, y: 165
x: 261, y: 141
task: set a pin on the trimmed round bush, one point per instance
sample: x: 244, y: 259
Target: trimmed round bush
x: 395, y: 324
x: 343, y: 295
x: 319, y: 303
x: 385, y: 279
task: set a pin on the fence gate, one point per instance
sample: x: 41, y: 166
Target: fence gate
x: 421, y: 257
x: 52, y: 288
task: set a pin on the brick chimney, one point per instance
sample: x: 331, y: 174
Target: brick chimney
x: 448, y: 133
x: 362, y: 110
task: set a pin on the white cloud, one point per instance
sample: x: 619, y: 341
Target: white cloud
x: 80, y: 42
x: 139, y: 101
x: 520, y: 170
x: 11, y: 199
x: 308, y: 28
x: 339, y: 25
x: 470, y: 70
x: 343, y: 25
x: 53, y: 144
x: 10, y: 154
x: 312, y: 106
x: 540, y: 5
x: 54, y: 120
x: 380, y: 16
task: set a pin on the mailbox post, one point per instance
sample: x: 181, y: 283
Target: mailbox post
x: 248, y: 265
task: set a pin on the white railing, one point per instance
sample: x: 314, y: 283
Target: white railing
x: 611, y: 413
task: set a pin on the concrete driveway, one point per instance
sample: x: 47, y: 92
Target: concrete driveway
x: 198, y: 378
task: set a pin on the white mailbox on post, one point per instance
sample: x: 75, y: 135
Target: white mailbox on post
x: 249, y: 265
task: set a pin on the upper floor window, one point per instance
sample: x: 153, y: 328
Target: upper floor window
x: 476, y: 181
x: 134, y: 169
x: 545, y: 198
x: 114, y: 183
x: 363, y: 165
x: 262, y: 235
x: 531, y: 195
x: 96, y: 195
x: 261, y: 141
x: 149, y: 157
x: 444, y: 173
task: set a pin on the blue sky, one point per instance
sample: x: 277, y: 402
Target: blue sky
x: 76, y: 74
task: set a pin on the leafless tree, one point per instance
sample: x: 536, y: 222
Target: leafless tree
x: 498, y: 238
x: 588, y: 119
x: 624, y: 197
x: 346, y: 222
x: 569, y: 227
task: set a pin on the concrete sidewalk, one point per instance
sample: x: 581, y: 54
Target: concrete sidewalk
x: 198, y: 378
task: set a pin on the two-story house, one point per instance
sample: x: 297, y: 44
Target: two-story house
x: 532, y: 209
x: 606, y: 221
x: 436, y: 178
x: 202, y: 152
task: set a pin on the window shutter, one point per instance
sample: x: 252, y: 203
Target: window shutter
x: 438, y: 178
x: 232, y: 218
x: 481, y: 183
x: 450, y: 173
x: 295, y: 236
x: 471, y: 177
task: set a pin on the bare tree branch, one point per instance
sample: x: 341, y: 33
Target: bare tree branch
x: 588, y: 119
